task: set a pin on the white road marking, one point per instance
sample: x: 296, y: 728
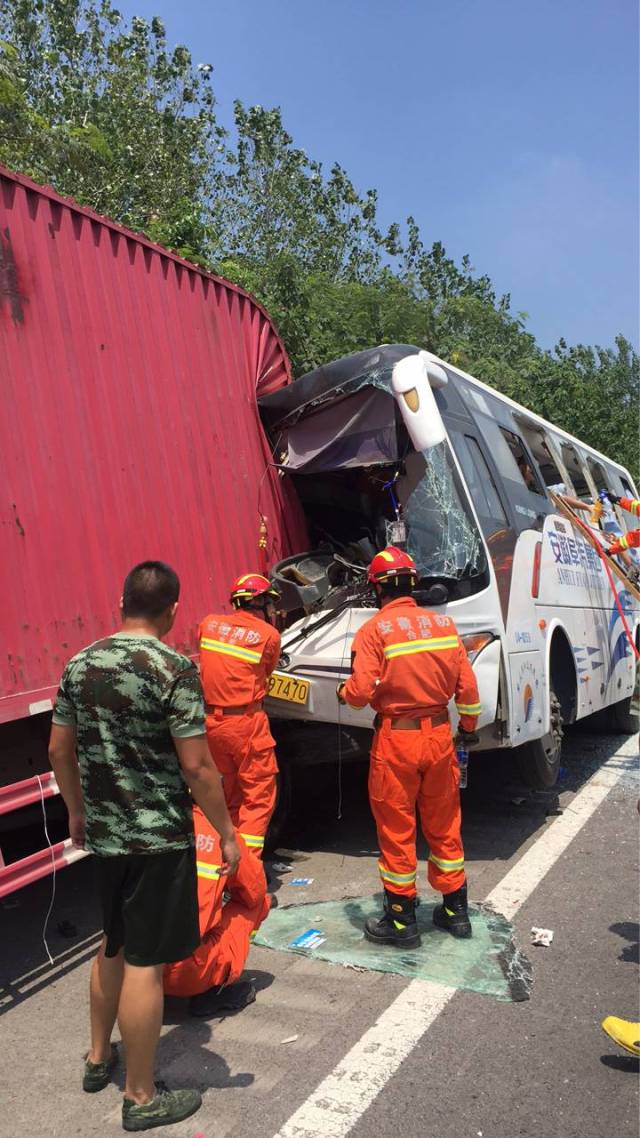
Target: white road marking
x: 519, y: 883
x: 335, y: 1106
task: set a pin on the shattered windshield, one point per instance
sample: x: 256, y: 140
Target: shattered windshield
x: 417, y: 501
x: 442, y: 536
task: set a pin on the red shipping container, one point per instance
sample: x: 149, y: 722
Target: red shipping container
x: 129, y: 430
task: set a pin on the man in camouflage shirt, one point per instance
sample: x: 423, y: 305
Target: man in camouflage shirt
x: 127, y: 745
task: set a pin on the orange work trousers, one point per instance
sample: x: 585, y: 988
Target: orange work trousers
x: 409, y: 770
x: 221, y: 956
x: 227, y: 929
x: 243, y: 750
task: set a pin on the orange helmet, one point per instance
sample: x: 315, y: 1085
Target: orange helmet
x: 251, y: 586
x: 391, y: 563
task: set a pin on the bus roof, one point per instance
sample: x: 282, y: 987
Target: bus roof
x: 374, y: 367
x: 527, y: 412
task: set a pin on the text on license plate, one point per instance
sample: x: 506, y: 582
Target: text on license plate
x: 289, y: 688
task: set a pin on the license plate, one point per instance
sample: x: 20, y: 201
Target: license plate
x: 289, y: 688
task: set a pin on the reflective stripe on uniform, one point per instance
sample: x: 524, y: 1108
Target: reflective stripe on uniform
x: 469, y: 708
x: 447, y: 866
x: 253, y: 841
x: 396, y: 878
x: 230, y: 650
x: 408, y: 647
x: 205, y: 869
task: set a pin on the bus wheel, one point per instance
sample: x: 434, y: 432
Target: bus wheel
x: 539, y: 760
x: 619, y: 718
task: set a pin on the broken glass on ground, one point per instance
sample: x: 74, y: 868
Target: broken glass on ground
x: 489, y: 963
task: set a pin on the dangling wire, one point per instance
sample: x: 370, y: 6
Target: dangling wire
x: 53, y: 875
x: 396, y: 531
x: 392, y: 494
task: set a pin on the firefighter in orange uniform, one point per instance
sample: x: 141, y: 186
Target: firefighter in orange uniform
x: 238, y: 653
x: 631, y: 505
x: 631, y: 539
x: 408, y: 662
x: 210, y: 975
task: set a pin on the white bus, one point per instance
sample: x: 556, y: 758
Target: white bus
x: 395, y: 445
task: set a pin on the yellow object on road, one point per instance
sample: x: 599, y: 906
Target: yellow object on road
x: 623, y: 1032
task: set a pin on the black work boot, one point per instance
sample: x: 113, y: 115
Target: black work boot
x: 397, y: 925
x: 217, y: 1001
x: 452, y: 915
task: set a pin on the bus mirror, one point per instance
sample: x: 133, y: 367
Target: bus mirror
x: 411, y: 383
x: 435, y: 371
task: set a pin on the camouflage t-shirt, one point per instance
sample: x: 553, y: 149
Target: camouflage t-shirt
x: 127, y: 696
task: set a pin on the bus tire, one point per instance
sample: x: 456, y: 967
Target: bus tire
x: 620, y: 719
x: 539, y: 760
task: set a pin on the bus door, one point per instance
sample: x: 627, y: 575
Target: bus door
x: 526, y: 508
x: 500, y: 539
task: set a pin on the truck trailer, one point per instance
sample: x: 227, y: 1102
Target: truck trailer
x: 129, y: 430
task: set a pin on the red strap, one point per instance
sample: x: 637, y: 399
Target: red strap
x: 603, y: 557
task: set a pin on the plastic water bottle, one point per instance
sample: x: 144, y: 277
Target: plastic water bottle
x: 463, y: 765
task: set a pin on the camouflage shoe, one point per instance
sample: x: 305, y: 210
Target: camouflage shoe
x: 98, y: 1075
x: 167, y: 1107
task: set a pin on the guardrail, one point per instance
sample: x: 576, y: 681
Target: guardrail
x: 26, y: 870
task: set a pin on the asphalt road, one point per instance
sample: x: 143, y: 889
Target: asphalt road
x: 375, y: 1054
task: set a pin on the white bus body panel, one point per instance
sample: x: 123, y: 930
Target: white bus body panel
x: 325, y: 659
x: 575, y: 598
x: 575, y: 594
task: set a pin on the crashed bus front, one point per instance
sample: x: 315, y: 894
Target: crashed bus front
x: 364, y: 442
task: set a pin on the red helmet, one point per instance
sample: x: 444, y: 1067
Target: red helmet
x: 392, y: 562
x: 251, y: 586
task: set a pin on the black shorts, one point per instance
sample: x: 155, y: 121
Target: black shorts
x: 150, y: 905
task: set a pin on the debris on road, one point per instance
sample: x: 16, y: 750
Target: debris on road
x: 291, y: 855
x: 281, y: 867
x: 312, y: 938
x: 302, y: 881
x: 553, y: 808
x: 542, y: 937
x: 289, y: 1039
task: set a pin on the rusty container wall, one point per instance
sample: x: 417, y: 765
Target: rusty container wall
x: 128, y: 430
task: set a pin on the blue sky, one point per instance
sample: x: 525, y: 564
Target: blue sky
x: 509, y: 130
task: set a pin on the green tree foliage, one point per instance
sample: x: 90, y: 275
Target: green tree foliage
x: 108, y: 113
x: 594, y: 393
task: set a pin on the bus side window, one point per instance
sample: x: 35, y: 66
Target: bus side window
x: 523, y: 461
x: 576, y: 472
x: 543, y: 454
x: 598, y: 474
x: 482, y: 488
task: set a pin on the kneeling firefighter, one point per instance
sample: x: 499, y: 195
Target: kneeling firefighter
x: 209, y: 976
x: 408, y: 662
x: 238, y: 653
